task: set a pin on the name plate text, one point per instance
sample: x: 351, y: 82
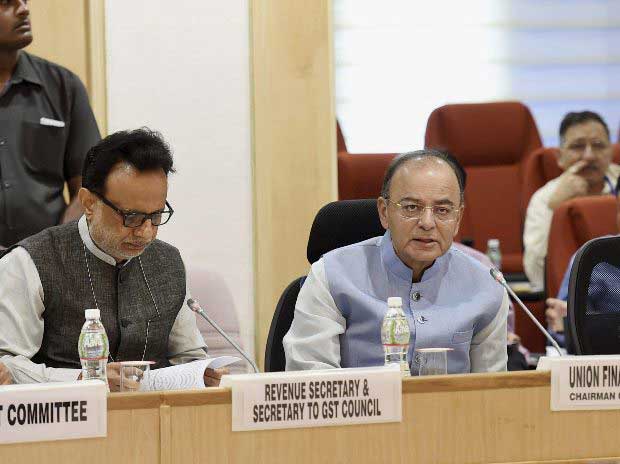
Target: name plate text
x: 315, y: 398
x: 585, y: 382
x: 41, y: 412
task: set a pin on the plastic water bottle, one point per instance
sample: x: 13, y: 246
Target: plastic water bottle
x: 494, y: 253
x: 93, y: 347
x: 395, y: 336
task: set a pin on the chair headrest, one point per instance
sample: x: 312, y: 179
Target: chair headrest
x: 483, y: 134
x: 594, y: 298
x: 342, y: 223
x: 593, y: 216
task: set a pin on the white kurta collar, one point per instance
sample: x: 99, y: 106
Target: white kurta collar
x: 90, y: 244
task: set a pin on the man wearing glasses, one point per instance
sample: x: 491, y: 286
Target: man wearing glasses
x: 109, y: 259
x: 449, y: 298
x: 585, y: 157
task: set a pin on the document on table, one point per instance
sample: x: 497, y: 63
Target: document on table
x: 184, y: 376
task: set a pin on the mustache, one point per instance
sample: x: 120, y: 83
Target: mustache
x: 589, y: 166
x: 139, y: 244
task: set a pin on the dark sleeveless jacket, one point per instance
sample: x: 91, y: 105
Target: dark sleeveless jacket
x: 122, y: 296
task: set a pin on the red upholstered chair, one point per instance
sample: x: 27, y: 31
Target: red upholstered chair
x: 359, y: 175
x: 341, y: 145
x: 574, y: 223
x: 541, y: 166
x: 491, y: 140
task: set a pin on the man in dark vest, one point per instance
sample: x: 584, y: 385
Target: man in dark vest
x: 109, y: 260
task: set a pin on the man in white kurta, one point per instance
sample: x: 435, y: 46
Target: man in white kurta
x: 585, y: 156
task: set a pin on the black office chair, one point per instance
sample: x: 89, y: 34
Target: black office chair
x: 280, y: 323
x: 342, y: 223
x: 337, y: 224
x: 594, y: 298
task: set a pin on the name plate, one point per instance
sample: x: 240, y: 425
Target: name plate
x: 51, y: 411
x: 315, y: 398
x: 585, y: 382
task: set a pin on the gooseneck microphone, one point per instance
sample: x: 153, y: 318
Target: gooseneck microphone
x: 194, y: 306
x: 499, y: 277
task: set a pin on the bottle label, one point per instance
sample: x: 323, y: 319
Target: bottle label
x: 93, y: 346
x: 395, y: 332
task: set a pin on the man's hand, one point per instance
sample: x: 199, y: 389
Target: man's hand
x: 5, y: 375
x: 213, y: 376
x: 513, y: 338
x: 555, y: 314
x: 74, y: 209
x: 571, y: 185
x: 114, y: 378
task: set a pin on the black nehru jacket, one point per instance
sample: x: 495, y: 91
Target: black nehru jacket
x: 129, y: 308
x: 46, y: 128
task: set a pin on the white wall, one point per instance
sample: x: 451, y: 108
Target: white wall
x: 182, y: 68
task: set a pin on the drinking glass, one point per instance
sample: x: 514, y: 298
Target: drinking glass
x: 432, y: 361
x: 134, y: 375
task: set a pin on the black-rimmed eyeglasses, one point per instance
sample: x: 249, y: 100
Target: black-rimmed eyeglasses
x: 134, y: 219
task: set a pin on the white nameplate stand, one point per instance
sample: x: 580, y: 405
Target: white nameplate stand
x: 53, y: 411
x: 583, y: 382
x: 315, y: 398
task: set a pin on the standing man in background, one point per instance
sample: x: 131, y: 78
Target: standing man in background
x: 46, y: 128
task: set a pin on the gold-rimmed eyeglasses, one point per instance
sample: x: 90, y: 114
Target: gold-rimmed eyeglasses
x: 412, y: 210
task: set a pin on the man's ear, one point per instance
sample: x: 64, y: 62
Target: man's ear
x: 559, y: 158
x: 458, y: 220
x: 382, y: 208
x: 87, y: 200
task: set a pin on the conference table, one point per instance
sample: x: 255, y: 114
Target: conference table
x: 477, y: 418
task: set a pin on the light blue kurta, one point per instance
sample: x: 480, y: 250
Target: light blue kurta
x: 455, y: 305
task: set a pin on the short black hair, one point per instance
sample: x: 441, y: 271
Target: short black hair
x: 579, y: 117
x: 143, y: 148
x: 443, y: 155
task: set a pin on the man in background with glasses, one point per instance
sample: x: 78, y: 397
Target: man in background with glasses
x: 449, y: 298
x: 585, y: 157
x: 109, y: 259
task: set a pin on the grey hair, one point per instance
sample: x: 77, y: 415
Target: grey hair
x: 403, y: 158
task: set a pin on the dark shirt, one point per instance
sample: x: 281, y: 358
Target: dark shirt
x: 36, y: 158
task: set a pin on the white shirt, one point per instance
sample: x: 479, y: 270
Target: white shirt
x: 22, y: 326
x: 313, y: 340
x: 538, y: 223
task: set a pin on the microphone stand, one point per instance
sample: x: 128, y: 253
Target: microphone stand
x: 499, y: 278
x: 194, y: 306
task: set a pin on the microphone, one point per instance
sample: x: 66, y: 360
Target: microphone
x: 499, y: 277
x: 194, y: 306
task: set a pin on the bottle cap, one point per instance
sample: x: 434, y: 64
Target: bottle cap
x: 493, y: 243
x: 395, y: 301
x: 92, y: 314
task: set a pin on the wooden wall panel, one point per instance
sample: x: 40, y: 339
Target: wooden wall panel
x: 294, y: 141
x: 60, y: 34
x: 72, y: 34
